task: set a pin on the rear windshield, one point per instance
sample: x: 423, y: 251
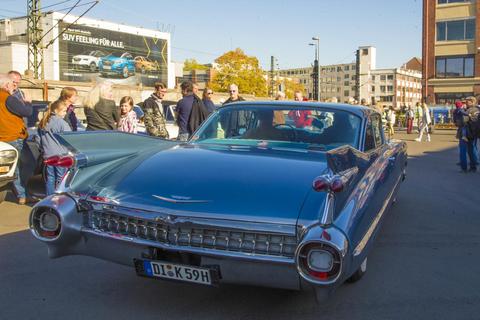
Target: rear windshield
x: 295, y: 127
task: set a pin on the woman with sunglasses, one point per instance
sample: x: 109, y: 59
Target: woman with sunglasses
x: 207, y: 99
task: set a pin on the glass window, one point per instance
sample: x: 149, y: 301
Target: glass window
x: 390, y: 77
x: 346, y: 93
x: 470, y: 29
x: 280, y: 126
x: 382, y: 88
x: 369, y: 139
x: 441, y: 31
x: 373, y: 78
x: 454, y: 67
x: 389, y: 88
x: 377, y: 132
x: 456, y: 30
x: 347, y: 68
x: 383, y: 77
x: 468, y: 69
x: 346, y: 83
x: 440, y: 68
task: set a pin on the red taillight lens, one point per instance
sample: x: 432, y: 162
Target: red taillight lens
x: 320, y: 184
x: 51, y: 161
x: 99, y: 199
x: 309, y: 265
x: 65, y: 162
x: 337, y: 185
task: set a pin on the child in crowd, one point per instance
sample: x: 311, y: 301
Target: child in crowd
x: 53, y: 123
x: 128, y: 117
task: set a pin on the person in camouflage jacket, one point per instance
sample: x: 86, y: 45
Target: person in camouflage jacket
x: 154, y: 117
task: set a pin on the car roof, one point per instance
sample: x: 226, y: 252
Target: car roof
x: 355, y: 109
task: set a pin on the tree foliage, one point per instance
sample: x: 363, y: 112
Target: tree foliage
x: 192, y: 64
x: 243, y: 70
x: 290, y: 86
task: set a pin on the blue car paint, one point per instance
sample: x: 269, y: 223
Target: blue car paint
x: 117, y: 65
x: 259, y: 183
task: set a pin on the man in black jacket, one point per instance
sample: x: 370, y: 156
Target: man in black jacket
x: 154, y: 118
x: 191, y: 112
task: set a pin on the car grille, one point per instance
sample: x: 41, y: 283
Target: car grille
x: 261, y: 243
x: 107, y: 63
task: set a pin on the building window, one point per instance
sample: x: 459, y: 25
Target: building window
x: 382, y: 89
x: 339, y: 69
x: 373, y: 78
x: 346, y: 93
x: 452, y: 1
x: 346, y: 83
x: 346, y: 68
x: 454, y: 67
x: 456, y: 30
x: 339, y: 79
x: 383, y: 77
x: 390, y: 77
x: 373, y: 88
x: 346, y: 76
x: 389, y: 88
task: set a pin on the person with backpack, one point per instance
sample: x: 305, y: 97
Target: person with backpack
x: 53, y: 122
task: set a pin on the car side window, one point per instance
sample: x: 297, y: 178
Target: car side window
x: 377, y: 129
x: 369, y: 137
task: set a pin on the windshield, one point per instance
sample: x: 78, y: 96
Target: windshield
x: 285, y: 126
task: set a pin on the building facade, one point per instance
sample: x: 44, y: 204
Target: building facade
x: 361, y: 80
x: 451, y: 50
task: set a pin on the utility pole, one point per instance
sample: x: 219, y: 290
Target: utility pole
x: 34, y: 35
x: 357, y: 76
x: 316, y: 69
x: 272, y: 76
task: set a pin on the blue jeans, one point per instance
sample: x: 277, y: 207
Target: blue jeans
x: 17, y: 183
x: 468, y: 147
x: 54, y: 177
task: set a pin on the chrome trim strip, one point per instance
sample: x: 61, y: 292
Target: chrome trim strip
x: 361, y: 245
x: 200, y: 251
x: 171, y: 200
x: 327, y: 216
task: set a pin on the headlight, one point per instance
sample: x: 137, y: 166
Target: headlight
x: 320, y: 260
x: 8, y: 156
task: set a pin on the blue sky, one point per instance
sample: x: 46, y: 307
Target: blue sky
x: 283, y: 28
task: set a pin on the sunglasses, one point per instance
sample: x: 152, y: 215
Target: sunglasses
x: 231, y: 91
x: 209, y: 92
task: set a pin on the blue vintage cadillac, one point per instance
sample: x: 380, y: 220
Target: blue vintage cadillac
x: 278, y: 194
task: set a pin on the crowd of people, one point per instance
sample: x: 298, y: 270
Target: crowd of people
x: 103, y: 113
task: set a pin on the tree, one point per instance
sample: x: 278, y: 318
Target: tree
x: 290, y: 86
x: 245, y: 71
x: 192, y: 64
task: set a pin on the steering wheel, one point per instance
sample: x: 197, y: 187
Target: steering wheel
x: 290, y: 127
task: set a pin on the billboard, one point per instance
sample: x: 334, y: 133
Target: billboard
x: 93, y: 54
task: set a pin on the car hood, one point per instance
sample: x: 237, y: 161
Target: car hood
x: 239, y: 183
x: 113, y: 58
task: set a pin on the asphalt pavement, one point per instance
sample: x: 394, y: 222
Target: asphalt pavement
x: 424, y: 265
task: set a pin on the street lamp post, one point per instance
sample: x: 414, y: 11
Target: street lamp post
x: 316, y: 70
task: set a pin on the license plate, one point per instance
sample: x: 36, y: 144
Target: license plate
x: 4, y: 169
x: 173, y: 271
x: 107, y: 67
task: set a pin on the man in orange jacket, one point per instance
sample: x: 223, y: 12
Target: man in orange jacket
x: 12, y: 127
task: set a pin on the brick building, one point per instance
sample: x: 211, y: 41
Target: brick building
x: 451, y: 50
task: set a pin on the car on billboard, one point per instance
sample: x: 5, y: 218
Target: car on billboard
x: 117, y: 65
x: 88, y: 60
x: 145, y: 65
